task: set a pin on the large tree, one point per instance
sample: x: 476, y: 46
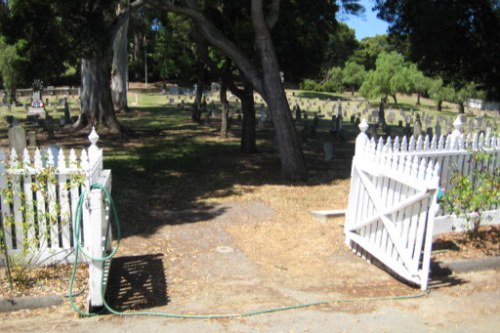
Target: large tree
x: 341, y: 46
x: 458, y: 40
x: 263, y: 74
x: 390, y: 76
x: 95, y: 26
x: 265, y: 79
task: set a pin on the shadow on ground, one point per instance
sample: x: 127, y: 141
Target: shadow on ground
x: 137, y: 282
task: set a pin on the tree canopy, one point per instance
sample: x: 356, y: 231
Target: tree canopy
x: 459, y: 40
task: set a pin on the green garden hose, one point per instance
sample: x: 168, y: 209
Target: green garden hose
x: 109, y: 199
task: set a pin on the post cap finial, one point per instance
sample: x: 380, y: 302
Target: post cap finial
x: 363, y: 126
x: 93, y: 136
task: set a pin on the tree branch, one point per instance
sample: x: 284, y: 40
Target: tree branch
x: 216, y: 38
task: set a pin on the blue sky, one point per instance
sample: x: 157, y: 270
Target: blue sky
x: 366, y: 25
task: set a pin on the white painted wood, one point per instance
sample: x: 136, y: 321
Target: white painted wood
x: 393, y: 196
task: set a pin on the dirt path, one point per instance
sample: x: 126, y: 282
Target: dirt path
x: 227, y: 265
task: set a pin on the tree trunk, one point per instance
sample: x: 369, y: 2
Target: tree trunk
x: 248, y: 143
x: 461, y: 107
x: 293, y: 166
x: 440, y: 105
x: 395, y: 99
x: 119, y: 69
x: 418, y: 98
x: 224, y: 125
x: 96, y: 102
x: 265, y: 80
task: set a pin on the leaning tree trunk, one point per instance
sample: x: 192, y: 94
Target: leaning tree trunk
x: 119, y: 68
x: 224, y: 124
x: 293, y: 166
x: 96, y: 103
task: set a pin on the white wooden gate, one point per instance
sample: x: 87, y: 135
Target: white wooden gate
x: 392, y: 202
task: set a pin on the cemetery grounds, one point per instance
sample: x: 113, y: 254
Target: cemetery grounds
x: 219, y: 231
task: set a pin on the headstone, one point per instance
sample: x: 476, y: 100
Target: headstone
x: 17, y: 139
x: 215, y: 87
x: 174, y: 90
x: 391, y: 117
x: 407, y: 131
x: 328, y: 149
x: 437, y: 130
x: 36, y: 95
x: 417, y: 127
x: 31, y: 139
x: 49, y: 126
x: 298, y: 113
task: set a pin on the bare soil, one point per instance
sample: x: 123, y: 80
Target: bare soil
x: 246, y: 243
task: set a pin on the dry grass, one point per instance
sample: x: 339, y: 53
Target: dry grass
x: 172, y: 177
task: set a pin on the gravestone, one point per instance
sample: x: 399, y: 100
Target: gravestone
x: 37, y: 106
x: 298, y: 114
x: 417, y: 127
x: 49, y: 127
x: 407, y: 131
x: 32, y: 139
x: 174, y: 90
x: 437, y: 130
x: 328, y: 149
x: 17, y: 139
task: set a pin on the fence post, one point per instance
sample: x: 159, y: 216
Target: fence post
x: 456, y: 134
x: 96, y: 244
x: 362, y: 140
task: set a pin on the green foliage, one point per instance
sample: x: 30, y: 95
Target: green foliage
x: 389, y: 77
x: 458, y: 40
x: 173, y: 51
x: 311, y: 85
x: 353, y: 75
x: 369, y: 49
x: 341, y: 46
x: 10, y: 66
x: 333, y: 81
x: 46, y: 39
x: 470, y: 196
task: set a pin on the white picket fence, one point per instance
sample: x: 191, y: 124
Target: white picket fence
x: 393, y: 211
x: 37, y: 213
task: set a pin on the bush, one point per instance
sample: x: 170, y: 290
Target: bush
x: 310, y: 85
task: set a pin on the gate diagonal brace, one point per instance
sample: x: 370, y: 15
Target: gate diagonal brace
x: 382, y: 211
